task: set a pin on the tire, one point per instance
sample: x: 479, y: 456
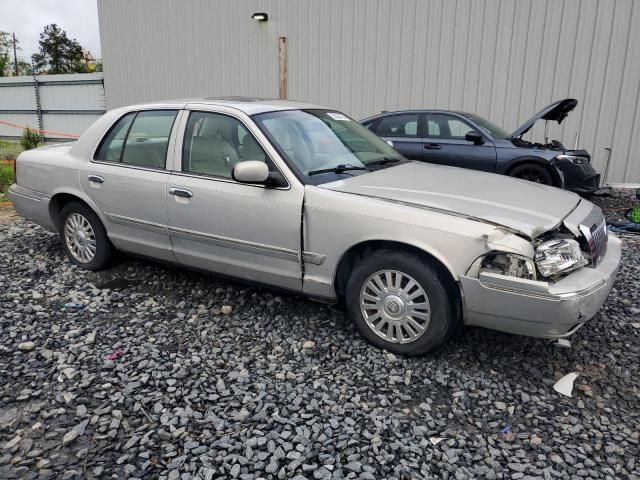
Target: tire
x: 533, y: 173
x: 435, y: 310
x: 84, y: 238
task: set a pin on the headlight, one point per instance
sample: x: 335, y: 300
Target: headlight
x: 575, y: 159
x: 508, y: 264
x: 558, y: 256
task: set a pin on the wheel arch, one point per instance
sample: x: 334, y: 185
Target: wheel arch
x: 357, y: 251
x: 542, y: 162
x: 62, y: 198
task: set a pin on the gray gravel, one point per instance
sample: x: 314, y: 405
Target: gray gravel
x: 151, y: 379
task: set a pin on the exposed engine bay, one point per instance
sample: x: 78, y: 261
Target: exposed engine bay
x: 552, y: 145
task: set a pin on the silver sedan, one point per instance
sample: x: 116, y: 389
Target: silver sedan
x: 303, y: 198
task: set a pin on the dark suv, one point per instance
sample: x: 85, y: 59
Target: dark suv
x: 467, y: 140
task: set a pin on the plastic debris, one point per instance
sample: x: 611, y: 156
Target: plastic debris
x: 563, y: 342
x: 564, y: 386
x: 624, y: 227
x: 506, y: 428
x: 436, y: 440
x: 115, y: 355
x: 73, y: 306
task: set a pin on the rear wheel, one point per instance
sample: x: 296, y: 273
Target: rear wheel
x: 401, y: 303
x: 532, y: 172
x: 83, y: 237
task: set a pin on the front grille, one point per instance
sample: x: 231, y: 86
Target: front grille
x: 594, y: 229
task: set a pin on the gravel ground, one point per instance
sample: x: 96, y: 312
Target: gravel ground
x: 166, y: 373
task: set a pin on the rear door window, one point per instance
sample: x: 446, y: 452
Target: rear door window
x: 148, y: 139
x: 405, y: 125
x: 139, y: 139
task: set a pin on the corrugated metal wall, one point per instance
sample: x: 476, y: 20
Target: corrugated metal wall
x: 62, y: 106
x: 503, y: 59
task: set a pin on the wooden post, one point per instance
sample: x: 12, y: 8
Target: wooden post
x: 282, y: 59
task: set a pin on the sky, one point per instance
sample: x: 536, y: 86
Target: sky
x: 27, y: 18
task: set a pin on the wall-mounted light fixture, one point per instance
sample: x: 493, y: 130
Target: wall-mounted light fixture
x: 260, y: 16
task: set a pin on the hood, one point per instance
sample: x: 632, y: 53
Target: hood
x: 555, y: 112
x: 519, y: 205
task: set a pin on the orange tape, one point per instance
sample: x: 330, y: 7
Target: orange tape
x: 42, y: 132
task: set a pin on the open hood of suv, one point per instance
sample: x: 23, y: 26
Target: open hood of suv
x: 526, y: 207
x: 556, y: 112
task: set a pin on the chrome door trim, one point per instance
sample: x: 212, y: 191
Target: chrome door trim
x: 313, y: 257
x: 29, y: 193
x: 180, y: 192
x: 95, y: 178
x: 251, y: 247
x: 129, y: 221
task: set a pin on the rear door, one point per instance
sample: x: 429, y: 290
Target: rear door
x: 127, y: 180
x: 402, y: 129
x: 445, y: 144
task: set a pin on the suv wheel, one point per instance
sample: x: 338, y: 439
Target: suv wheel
x: 401, y: 303
x: 83, y: 237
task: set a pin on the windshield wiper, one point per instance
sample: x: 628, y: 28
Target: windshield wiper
x: 383, y: 161
x: 336, y: 169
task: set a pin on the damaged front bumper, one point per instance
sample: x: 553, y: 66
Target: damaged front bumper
x: 540, y: 309
x: 578, y: 178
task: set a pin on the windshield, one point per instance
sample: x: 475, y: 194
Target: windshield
x: 313, y: 141
x: 488, y: 127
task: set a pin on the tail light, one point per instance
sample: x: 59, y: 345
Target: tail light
x: 15, y: 171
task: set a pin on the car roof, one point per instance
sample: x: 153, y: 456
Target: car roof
x: 415, y: 110
x: 248, y: 105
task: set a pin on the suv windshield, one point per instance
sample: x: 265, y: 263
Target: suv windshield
x: 323, y: 145
x: 488, y: 127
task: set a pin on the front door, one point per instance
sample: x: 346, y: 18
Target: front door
x: 127, y: 180
x: 218, y: 224
x: 445, y: 144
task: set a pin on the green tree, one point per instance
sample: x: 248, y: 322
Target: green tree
x: 24, y: 68
x: 58, y: 53
x: 6, y: 46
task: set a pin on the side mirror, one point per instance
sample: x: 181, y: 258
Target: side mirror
x: 390, y: 143
x: 250, y: 171
x: 474, y: 137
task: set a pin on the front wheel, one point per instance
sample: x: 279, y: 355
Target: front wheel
x: 400, y: 302
x: 532, y: 172
x: 84, y: 238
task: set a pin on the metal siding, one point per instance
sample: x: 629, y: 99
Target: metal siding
x: 503, y: 59
x: 75, y: 95
x: 28, y: 119
x: 20, y: 97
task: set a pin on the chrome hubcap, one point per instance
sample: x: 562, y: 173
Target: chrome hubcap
x: 395, y: 306
x: 80, y: 238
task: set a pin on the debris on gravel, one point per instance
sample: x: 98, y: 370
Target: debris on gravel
x: 152, y: 377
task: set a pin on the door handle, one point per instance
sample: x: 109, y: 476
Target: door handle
x: 180, y: 192
x: 432, y: 146
x: 95, y: 178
